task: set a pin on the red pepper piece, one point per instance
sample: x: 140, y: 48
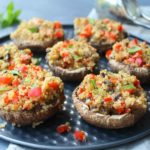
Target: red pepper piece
x: 35, y: 92
x: 80, y: 135
x: 136, y: 83
x: 117, y: 47
x: 120, y: 28
x: 5, y: 80
x: 54, y: 85
x: 65, y: 54
x: 108, y: 53
x: 57, y: 25
x: 63, y: 128
x: 16, y: 82
x: 107, y: 99
x: 6, y: 100
x: 59, y: 34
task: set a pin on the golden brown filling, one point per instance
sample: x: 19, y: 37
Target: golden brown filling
x: 109, y: 93
x: 72, y: 55
x: 131, y: 52
x: 11, y: 56
x: 27, y: 87
x: 103, y: 31
x: 39, y: 30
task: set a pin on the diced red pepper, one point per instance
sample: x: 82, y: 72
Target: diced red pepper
x: 63, y: 128
x: 131, y: 91
x: 23, y: 68
x: 5, y: 80
x: 113, y: 80
x: 136, y: 83
x: 120, y: 28
x: 87, y: 31
x: 57, y: 25
x: 81, y: 90
x: 59, y: 34
x: 121, y: 109
x: 108, y: 53
x: 54, y: 85
x: 15, y: 82
x: 66, y: 43
x: 65, y: 54
x: 37, y: 68
x: 35, y: 92
x: 133, y: 42
x: 117, y: 47
x: 138, y: 54
x: 112, y: 36
x: 80, y: 135
x: 90, y: 95
x: 139, y: 61
x: 15, y: 97
x: 107, y: 99
x: 6, y: 100
x: 11, y: 67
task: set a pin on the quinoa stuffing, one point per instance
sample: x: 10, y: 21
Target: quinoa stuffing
x: 98, y: 32
x: 28, y: 86
x: 112, y: 94
x: 38, y: 31
x: 10, y: 56
x: 72, y: 55
x: 131, y: 52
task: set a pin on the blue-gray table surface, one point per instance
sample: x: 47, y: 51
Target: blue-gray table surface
x: 63, y: 10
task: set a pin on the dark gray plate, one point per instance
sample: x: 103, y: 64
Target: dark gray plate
x: 45, y: 136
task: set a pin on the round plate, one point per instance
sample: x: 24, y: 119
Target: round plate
x: 45, y: 136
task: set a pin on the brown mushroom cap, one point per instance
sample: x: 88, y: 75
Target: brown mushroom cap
x: 24, y: 117
x: 106, y: 121
x: 69, y: 75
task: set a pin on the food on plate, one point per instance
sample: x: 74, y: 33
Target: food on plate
x: 63, y: 128
x: 72, y: 60
x: 110, y: 100
x: 29, y: 95
x: 132, y: 56
x: 10, y: 56
x: 101, y: 34
x: 80, y: 135
x: 37, y: 34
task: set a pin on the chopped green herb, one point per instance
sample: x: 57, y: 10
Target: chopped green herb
x: 70, y: 46
x: 34, y: 29
x: 93, y: 82
x: 11, y: 17
x: 76, y: 57
x: 15, y: 72
x: 134, y: 49
x: 27, y: 80
x: 91, y: 20
x: 129, y: 87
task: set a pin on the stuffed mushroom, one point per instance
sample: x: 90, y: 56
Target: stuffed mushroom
x: 10, y: 56
x: 101, y: 34
x: 133, y: 57
x: 29, y: 95
x: 72, y: 60
x: 37, y: 34
x: 110, y: 100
